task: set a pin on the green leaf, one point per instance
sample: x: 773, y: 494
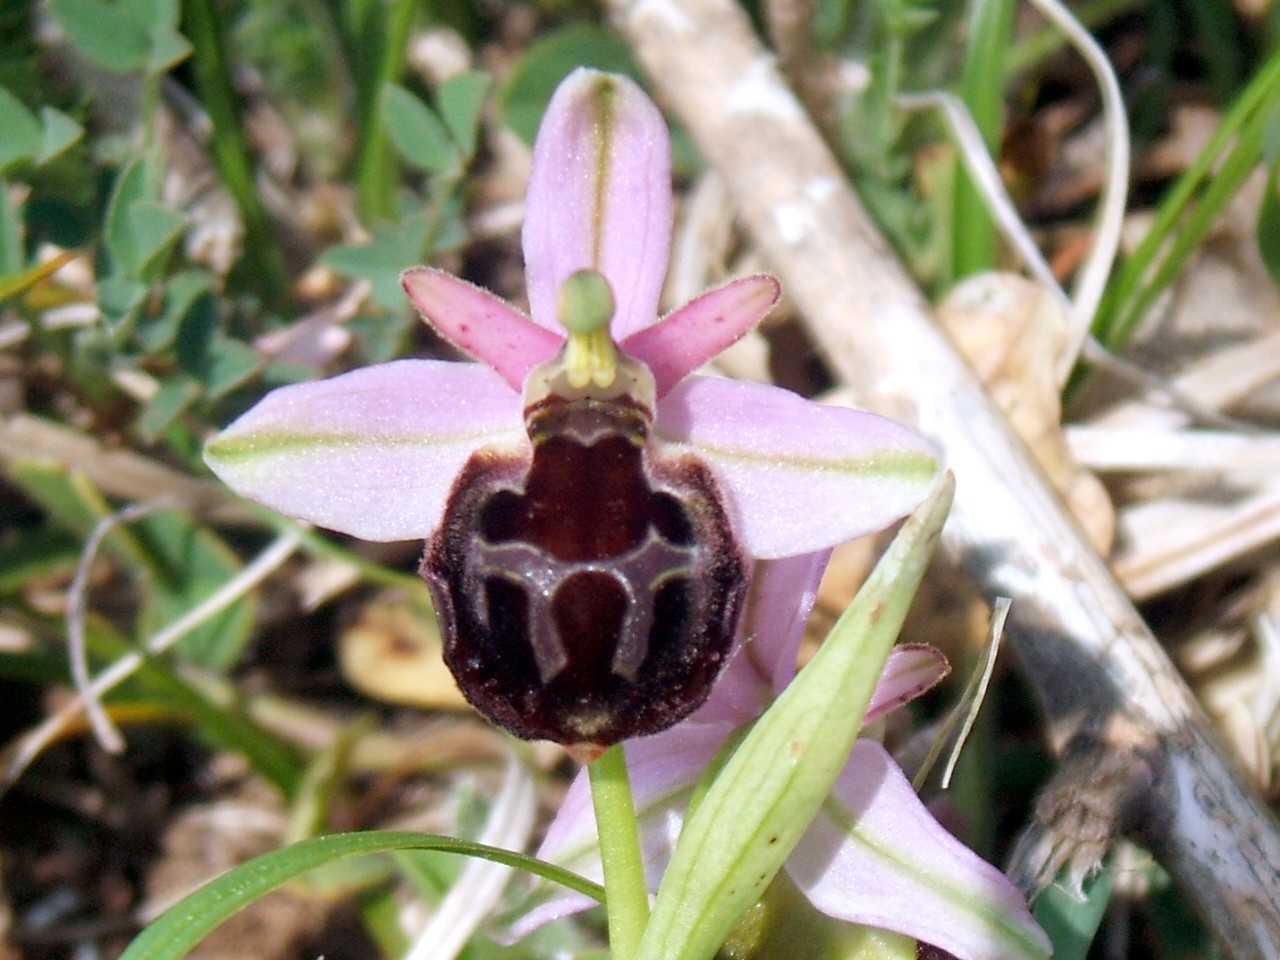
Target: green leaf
x: 196, y: 334
x: 124, y: 35
x: 132, y: 184
x: 1191, y: 206
x: 1072, y: 923
x: 770, y: 789
x: 36, y: 552
x: 12, y: 255
x: 528, y: 90
x: 395, y: 247
x: 460, y: 99
x: 109, y: 34
x: 1178, y: 933
x: 184, y: 925
x: 20, y: 133
x: 59, y: 133
x: 418, y: 134
x: 232, y: 363
x: 154, y: 228
x: 120, y: 298
x: 178, y: 394
x: 153, y: 16
x: 982, y: 89
x: 168, y: 49
x: 158, y: 332
x: 1268, y: 229
x: 35, y: 668
x: 186, y: 563
x: 139, y: 230
x: 220, y: 363
x: 73, y: 503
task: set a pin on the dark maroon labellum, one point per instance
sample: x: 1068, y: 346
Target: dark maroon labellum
x: 591, y: 593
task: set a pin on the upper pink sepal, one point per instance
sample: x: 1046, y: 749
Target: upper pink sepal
x: 688, y: 337
x: 373, y: 453
x: 478, y: 323
x: 875, y: 855
x: 599, y: 198
x: 799, y: 476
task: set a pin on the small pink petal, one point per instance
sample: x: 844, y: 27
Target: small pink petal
x: 875, y: 856
x: 557, y: 905
x: 779, y: 602
x: 687, y: 338
x: 372, y: 453
x: 484, y: 326
x: 663, y: 770
x: 911, y: 670
x: 799, y: 476
x: 661, y: 767
x: 599, y: 198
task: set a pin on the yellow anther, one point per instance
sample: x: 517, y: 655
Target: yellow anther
x: 590, y: 358
x: 585, y: 308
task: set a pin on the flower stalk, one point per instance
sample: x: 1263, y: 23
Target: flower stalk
x: 626, y: 895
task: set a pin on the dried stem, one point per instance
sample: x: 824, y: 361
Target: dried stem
x: 104, y: 730
x: 21, y: 754
x: 1139, y: 743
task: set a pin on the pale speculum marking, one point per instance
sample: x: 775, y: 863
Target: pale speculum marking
x: 640, y: 573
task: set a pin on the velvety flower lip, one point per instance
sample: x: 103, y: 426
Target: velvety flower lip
x: 374, y: 453
x: 874, y: 855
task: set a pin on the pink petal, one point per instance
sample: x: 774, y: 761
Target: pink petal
x: 875, y: 856
x: 484, y: 326
x: 779, y: 602
x: 556, y: 905
x: 663, y: 769
x: 372, y: 453
x: 799, y: 476
x: 911, y: 670
x: 687, y: 338
x: 599, y: 198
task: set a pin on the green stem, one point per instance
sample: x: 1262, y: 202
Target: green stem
x: 973, y: 243
x: 263, y: 264
x: 1217, y: 173
x: 626, y: 896
x: 375, y: 163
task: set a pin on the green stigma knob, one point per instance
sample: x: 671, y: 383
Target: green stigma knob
x: 586, y: 303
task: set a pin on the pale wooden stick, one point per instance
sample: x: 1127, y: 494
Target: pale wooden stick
x: 118, y: 472
x: 1246, y: 456
x: 1176, y: 541
x: 1102, y: 679
x: 20, y: 754
x: 1215, y: 382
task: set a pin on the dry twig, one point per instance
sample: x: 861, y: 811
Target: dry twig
x: 1141, y: 751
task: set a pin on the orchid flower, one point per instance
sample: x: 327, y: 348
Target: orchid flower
x: 873, y: 856
x: 592, y: 511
